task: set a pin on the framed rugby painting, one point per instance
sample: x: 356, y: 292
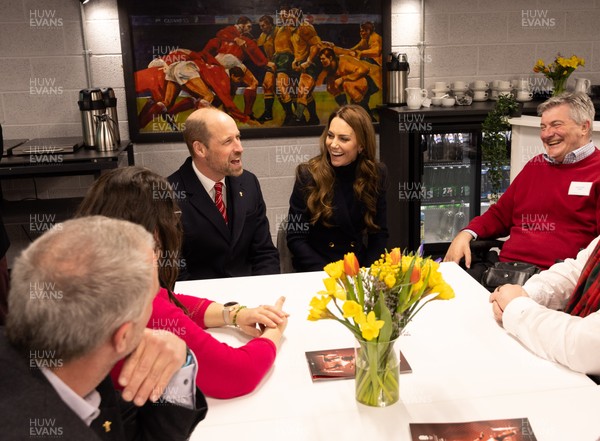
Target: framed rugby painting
x: 278, y: 69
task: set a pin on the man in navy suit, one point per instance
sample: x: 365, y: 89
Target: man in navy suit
x: 80, y: 298
x: 226, y: 230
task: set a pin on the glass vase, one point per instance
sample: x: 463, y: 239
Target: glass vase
x: 377, y: 373
x: 559, y: 85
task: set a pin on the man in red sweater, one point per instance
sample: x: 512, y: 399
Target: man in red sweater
x: 552, y: 208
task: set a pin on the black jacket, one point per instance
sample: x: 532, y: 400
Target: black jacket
x: 30, y: 408
x: 314, y: 246
x: 212, y: 249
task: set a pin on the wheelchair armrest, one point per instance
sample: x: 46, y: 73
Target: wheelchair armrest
x: 484, y: 245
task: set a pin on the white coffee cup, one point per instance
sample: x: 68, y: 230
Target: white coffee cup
x: 523, y: 95
x: 494, y: 84
x: 504, y: 84
x: 480, y: 85
x: 480, y: 95
x: 436, y: 100
x: 441, y: 85
x: 414, y: 97
x: 459, y: 85
x: 522, y: 84
x: 448, y: 102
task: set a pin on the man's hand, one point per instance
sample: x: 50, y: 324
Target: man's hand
x: 502, y: 296
x: 148, y: 370
x: 460, y: 248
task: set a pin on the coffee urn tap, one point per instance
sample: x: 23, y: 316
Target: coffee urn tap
x: 397, y: 78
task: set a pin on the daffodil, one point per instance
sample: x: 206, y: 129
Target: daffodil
x: 333, y: 289
x: 335, y: 269
x: 351, y: 309
x: 371, y: 326
x: 319, y: 309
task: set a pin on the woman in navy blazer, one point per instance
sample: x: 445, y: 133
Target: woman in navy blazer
x: 338, y: 202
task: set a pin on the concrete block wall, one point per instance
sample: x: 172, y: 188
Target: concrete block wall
x: 42, y: 69
x: 489, y: 39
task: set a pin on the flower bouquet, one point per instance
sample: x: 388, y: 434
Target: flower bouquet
x: 559, y: 71
x: 375, y: 304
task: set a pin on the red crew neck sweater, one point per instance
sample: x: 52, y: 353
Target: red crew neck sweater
x: 546, y: 221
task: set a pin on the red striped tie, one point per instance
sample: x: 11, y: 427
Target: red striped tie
x: 219, y: 200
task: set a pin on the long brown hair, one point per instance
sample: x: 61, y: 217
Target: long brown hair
x: 141, y: 196
x: 366, y: 185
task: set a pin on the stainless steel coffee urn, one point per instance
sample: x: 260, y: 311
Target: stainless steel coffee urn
x: 397, y: 78
x: 91, y: 104
x: 106, y: 138
x: 110, y: 102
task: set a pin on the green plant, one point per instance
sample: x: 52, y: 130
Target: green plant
x: 494, y: 144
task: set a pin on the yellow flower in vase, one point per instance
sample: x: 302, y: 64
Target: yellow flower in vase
x: 559, y: 71
x: 375, y: 304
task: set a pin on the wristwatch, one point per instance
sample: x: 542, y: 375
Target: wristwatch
x: 227, y: 310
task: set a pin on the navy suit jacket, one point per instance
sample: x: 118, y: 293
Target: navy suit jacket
x: 30, y: 408
x: 212, y: 249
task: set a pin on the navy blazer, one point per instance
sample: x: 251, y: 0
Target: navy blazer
x: 30, y: 408
x: 314, y: 246
x: 212, y: 249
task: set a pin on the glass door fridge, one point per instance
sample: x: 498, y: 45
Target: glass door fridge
x: 450, y: 181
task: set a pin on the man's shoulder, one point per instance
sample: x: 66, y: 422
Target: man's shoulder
x: 247, y: 177
x: 182, y: 171
x: 29, y: 405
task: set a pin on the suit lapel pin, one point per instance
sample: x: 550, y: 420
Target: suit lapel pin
x: 106, y: 426
x: 241, y: 194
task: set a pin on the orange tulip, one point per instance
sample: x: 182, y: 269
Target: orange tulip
x: 395, y: 255
x: 351, y: 265
x: 416, y: 275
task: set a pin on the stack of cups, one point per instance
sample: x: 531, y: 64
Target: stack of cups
x: 500, y: 87
x: 522, y: 90
x: 479, y: 88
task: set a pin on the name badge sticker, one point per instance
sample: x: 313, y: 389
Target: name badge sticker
x: 580, y: 188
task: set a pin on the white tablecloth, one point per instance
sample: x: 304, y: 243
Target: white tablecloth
x: 465, y: 368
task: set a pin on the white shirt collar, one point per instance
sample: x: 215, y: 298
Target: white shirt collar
x: 209, y: 184
x: 86, y: 408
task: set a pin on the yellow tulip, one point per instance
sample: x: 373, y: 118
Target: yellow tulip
x: 335, y: 269
x: 370, y: 327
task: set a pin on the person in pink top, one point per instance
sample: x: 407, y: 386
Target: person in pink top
x: 551, y: 210
x: 143, y: 197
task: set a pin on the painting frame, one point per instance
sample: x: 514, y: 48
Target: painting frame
x: 144, y: 26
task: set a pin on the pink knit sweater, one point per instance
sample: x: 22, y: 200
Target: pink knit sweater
x: 223, y: 371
